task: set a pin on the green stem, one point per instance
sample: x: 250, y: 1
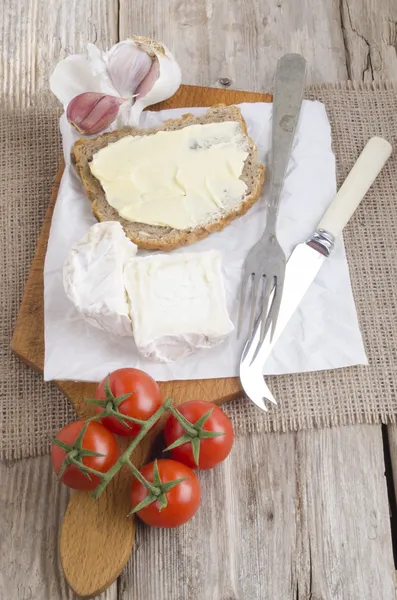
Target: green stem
x: 125, y: 457
x: 152, y: 488
x: 86, y: 469
x: 187, y: 425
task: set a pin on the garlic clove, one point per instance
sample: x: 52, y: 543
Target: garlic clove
x: 127, y: 66
x: 97, y: 60
x: 147, y: 84
x: 92, y: 112
x: 161, y: 82
x: 71, y: 77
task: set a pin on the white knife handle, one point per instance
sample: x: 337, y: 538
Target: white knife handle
x: 356, y: 185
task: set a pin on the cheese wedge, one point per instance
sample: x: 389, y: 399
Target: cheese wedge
x: 93, y: 277
x: 177, y: 303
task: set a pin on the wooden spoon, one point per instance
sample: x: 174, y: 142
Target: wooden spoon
x: 96, y: 535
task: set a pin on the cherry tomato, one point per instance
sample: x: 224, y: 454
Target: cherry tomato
x: 212, y: 450
x: 96, y: 438
x: 183, y: 499
x: 145, y: 399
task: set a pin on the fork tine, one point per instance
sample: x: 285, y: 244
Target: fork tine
x: 272, y: 314
x: 254, y: 304
x: 275, y: 309
x: 243, y: 296
x: 266, y: 308
x: 265, y: 314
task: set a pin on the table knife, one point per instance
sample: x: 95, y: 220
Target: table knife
x: 305, y: 262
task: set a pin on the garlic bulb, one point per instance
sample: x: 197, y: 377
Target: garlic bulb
x: 92, y: 112
x: 103, y: 89
x: 128, y: 70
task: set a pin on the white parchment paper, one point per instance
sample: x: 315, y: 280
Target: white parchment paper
x: 323, y: 333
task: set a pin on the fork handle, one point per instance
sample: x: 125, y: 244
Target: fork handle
x: 368, y: 166
x: 287, y: 101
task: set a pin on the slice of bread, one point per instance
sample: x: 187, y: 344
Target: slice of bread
x: 153, y: 237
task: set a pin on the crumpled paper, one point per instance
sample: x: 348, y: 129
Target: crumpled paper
x: 323, y: 333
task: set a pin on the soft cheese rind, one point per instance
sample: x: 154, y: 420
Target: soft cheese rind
x: 177, y: 303
x: 93, y: 277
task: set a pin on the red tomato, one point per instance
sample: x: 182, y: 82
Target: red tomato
x: 212, y: 450
x: 96, y: 438
x: 183, y: 499
x: 145, y: 399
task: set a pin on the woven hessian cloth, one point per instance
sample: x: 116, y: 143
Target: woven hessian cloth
x: 32, y: 411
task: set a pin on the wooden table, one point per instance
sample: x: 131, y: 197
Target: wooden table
x: 289, y: 516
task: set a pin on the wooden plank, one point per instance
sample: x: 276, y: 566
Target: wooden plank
x: 370, y: 35
x: 32, y: 504
x: 241, y: 543
x: 287, y: 517
x: 238, y: 43
x: 36, y: 34
x: 346, y: 548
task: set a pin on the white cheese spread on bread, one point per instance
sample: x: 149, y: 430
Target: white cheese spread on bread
x: 174, y: 178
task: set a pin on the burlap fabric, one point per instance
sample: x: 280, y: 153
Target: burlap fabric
x: 32, y: 411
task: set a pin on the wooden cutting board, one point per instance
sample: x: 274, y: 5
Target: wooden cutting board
x: 96, y: 537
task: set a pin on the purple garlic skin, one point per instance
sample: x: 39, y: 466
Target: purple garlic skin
x: 92, y: 112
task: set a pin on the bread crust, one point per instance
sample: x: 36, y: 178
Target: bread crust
x: 151, y: 237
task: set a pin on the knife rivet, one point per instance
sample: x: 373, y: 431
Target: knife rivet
x: 225, y: 81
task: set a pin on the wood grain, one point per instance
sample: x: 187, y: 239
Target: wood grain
x: 346, y: 549
x: 248, y: 522
x: 97, y: 537
x: 36, y: 34
x: 370, y: 36
x: 286, y: 517
x: 32, y: 504
x: 239, y: 42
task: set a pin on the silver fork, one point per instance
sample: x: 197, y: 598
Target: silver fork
x: 264, y: 266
